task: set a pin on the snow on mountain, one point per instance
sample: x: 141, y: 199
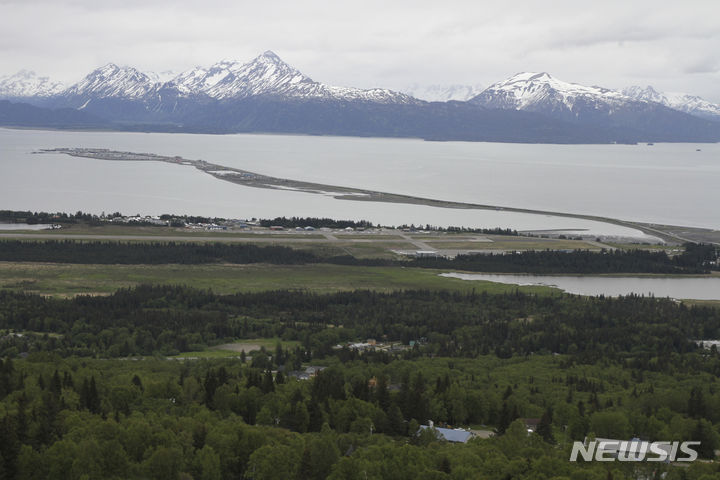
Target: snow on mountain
x: 268, y: 75
x: 111, y: 81
x: 199, y: 79
x: 443, y: 93
x: 265, y: 75
x: 648, y: 94
x: 164, y: 76
x: 683, y: 102
x: 541, y: 91
x: 28, y: 84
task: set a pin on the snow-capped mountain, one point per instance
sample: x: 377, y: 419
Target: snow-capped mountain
x: 543, y: 93
x: 26, y: 84
x: 443, y: 93
x: 593, y: 107
x: 268, y: 75
x: 683, y: 102
x: 162, y: 77
x: 268, y: 95
x: 111, y: 81
x: 199, y: 79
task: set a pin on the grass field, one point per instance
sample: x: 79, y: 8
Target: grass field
x: 367, y: 236
x: 235, y: 349
x: 453, y: 237
x: 161, y: 231
x: 703, y: 303
x: 209, y: 353
x: 515, y: 244
x: 69, y: 280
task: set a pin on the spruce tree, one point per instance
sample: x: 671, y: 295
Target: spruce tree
x: 544, y: 428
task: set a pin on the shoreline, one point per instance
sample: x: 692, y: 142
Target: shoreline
x: 667, y: 233
x: 109, y: 129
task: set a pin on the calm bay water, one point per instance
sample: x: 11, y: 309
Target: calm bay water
x: 700, y: 288
x: 668, y: 183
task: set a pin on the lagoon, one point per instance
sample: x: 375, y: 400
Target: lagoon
x: 679, y: 287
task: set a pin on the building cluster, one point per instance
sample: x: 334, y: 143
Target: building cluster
x: 165, y: 221
x: 309, y: 372
x: 206, y: 226
x: 708, y: 344
x: 148, y: 219
x: 373, y: 345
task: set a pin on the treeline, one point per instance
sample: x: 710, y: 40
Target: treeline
x: 77, y: 418
x: 152, y: 253
x: 314, y: 222
x: 34, y: 218
x: 696, y: 259
x: 171, y: 319
x: 486, y: 231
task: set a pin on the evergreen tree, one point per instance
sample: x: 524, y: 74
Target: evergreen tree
x: 56, y: 384
x: 93, y: 398
x: 268, y: 384
x: 382, y: 394
x: 211, y: 385
x: 696, y: 403
x: 138, y: 383
x: 708, y: 438
x: 544, y: 428
x: 9, y: 447
x: 316, y: 417
x: 305, y: 472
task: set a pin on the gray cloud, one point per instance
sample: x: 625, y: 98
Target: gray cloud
x: 377, y: 43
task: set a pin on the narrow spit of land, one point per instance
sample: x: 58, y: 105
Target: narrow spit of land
x: 667, y: 233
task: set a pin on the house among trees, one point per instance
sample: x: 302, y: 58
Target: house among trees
x: 531, y: 424
x: 307, y: 374
x: 454, y: 435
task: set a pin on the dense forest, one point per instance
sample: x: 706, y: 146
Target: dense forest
x: 696, y: 258
x: 584, y: 366
x: 34, y: 218
x: 149, y: 253
x: 116, y: 387
x: 170, y: 319
x: 68, y: 419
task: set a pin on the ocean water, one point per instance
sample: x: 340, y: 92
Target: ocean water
x: 664, y: 183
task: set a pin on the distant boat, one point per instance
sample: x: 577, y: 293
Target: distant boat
x: 698, y: 150
x: 650, y: 144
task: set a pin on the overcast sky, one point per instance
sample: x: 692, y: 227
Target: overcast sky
x: 674, y: 46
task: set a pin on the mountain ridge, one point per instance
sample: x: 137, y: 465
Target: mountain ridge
x: 27, y: 83
x: 230, y: 96
x: 267, y: 74
x: 683, y: 102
